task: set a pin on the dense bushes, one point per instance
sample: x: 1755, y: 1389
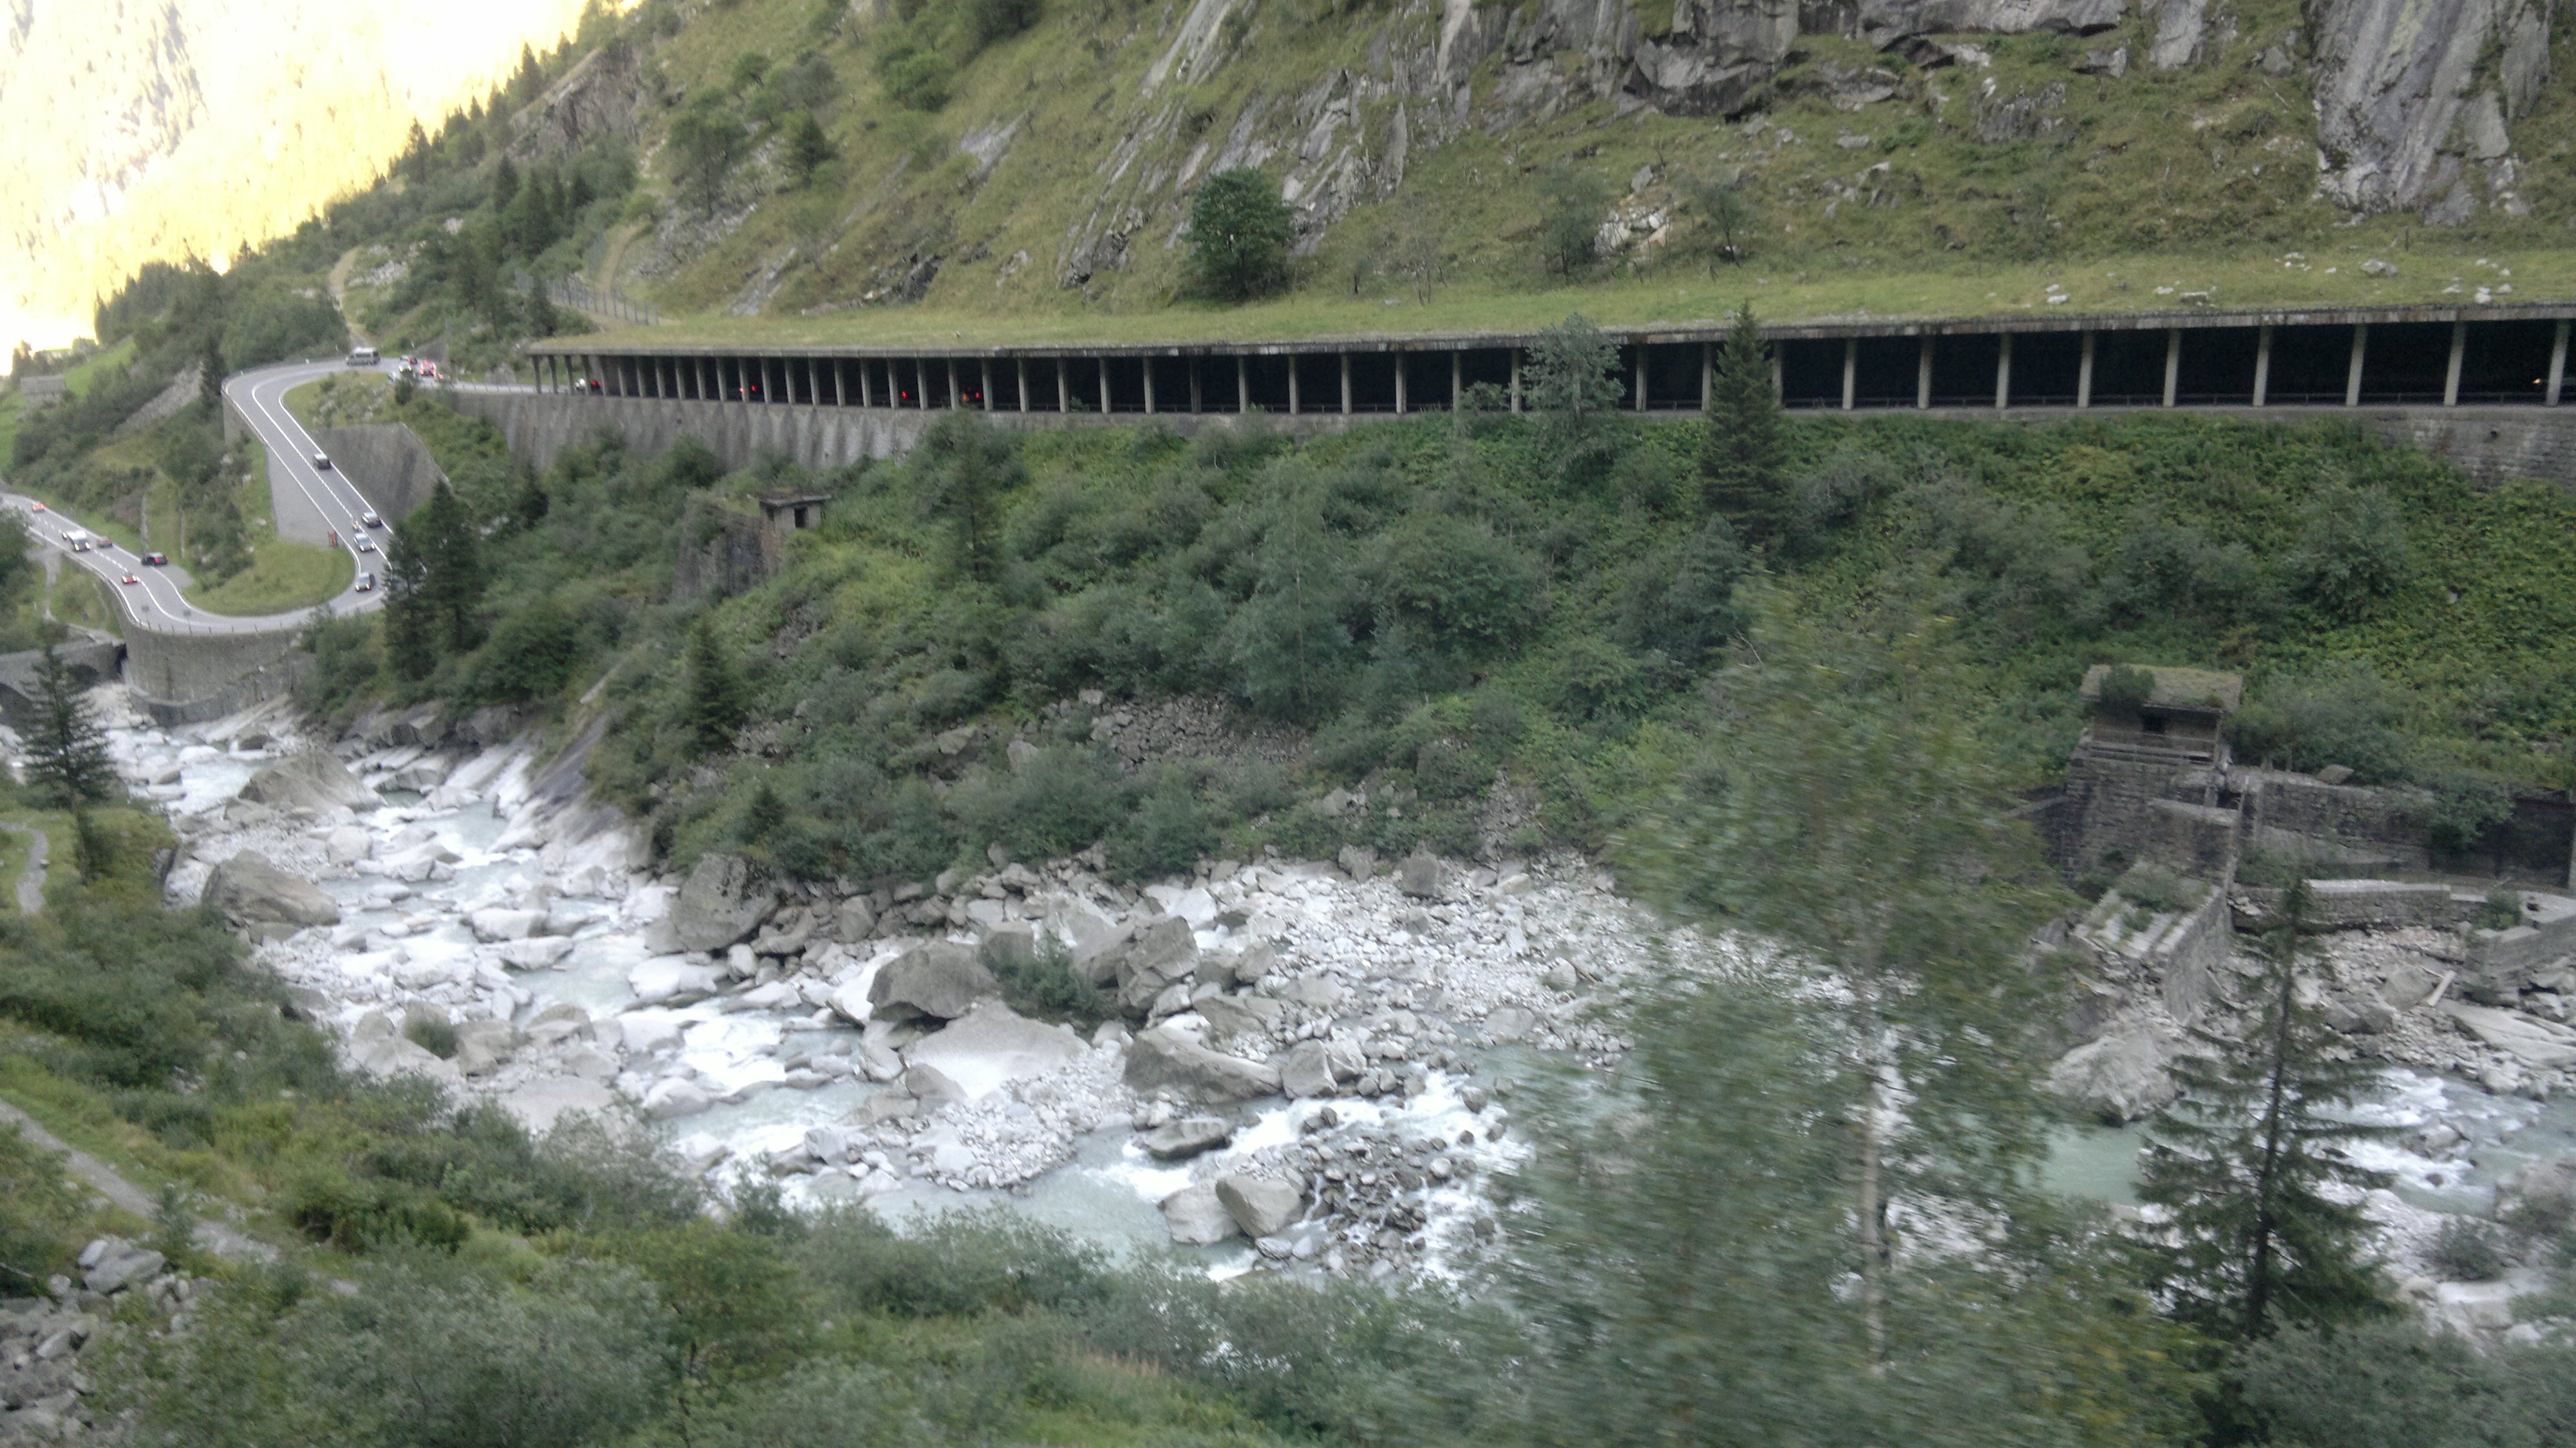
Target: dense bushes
x: 1387, y: 589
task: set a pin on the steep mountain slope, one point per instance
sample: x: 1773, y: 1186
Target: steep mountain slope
x: 148, y: 131
x: 1050, y: 172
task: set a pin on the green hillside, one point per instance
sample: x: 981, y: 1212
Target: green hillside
x: 805, y: 172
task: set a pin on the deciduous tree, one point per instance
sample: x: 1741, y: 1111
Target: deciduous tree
x: 1239, y: 233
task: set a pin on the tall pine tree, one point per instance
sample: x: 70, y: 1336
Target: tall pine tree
x: 716, y: 703
x: 1743, y: 453
x: 2247, y: 1161
x: 411, y: 626
x: 67, y: 759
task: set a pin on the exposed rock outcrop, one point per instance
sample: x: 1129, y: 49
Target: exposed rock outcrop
x: 255, y: 895
x: 2411, y: 115
x: 718, y: 905
x: 311, y: 780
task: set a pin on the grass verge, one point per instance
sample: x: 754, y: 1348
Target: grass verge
x: 281, y: 576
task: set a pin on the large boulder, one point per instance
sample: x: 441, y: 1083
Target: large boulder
x: 2528, y: 1039
x: 311, y: 780
x: 1308, y: 1072
x: 1180, y: 1140
x: 2119, y: 1078
x: 1244, y: 1015
x: 2540, y: 1195
x: 1262, y: 1206
x: 255, y: 895
x: 1196, y: 1218
x: 937, y: 978
x: 111, y: 1264
x: 482, y: 1046
x: 1164, y: 1057
x: 1160, y: 956
x: 718, y: 904
x: 992, y: 1045
x: 1418, y: 875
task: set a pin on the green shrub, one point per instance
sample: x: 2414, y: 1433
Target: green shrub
x: 1168, y: 832
x: 2352, y: 550
x: 352, y: 1215
x: 1456, y: 585
x: 40, y: 1215
x: 1043, y: 985
x: 1573, y: 201
x: 1056, y: 801
x: 949, y: 1264
x: 2159, y: 890
x: 345, y: 662
x: 2502, y: 910
x: 531, y: 655
x: 433, y: 1035
x: 2126, y: 689
x: 2344, y: 714
x: 2467, y: 1251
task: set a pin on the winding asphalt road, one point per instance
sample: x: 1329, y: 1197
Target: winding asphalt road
x: 311, y: 505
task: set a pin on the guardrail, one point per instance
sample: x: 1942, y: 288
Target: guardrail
x: 582, y: 296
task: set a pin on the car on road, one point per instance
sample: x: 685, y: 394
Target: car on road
x: 365, y: 544
x: 156, y: 560
x: 78, y: 540
x: 35, y: 507
x: 366, y: 583
x: 371, y: 520
x: 322, y: 462
x: 129, y: 578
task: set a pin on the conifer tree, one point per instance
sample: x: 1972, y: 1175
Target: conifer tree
x: 66, y: 750
x: 210, y: 372
x: 411, y: 629
x: 452, y: 578
x: 716, y: 706
x: 808, y: 147
x: 1742, y: 452
x: 2245, y: 1158
x: 968, y: 467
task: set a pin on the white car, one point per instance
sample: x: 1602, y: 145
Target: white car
x: 322, y: 462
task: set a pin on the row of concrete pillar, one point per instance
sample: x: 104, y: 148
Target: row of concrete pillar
x: 2553, y: 387
x: 857, y: 381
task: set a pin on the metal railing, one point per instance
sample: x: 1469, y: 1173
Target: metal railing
x: 581, y: 296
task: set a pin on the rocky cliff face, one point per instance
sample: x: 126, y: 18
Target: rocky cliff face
x: 2415, y: 100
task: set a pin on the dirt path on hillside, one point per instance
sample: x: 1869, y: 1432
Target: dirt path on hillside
x: 31, y: 880
x: 214, y: 1236
x: 339, y: 284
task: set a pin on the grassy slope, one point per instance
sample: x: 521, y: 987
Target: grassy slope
x: 2197, y: 180
x: 281, y: 576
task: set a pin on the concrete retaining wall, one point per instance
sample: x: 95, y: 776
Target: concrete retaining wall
x: 2490, y: 444
x: 539, y: 425
x: 185, y: 678
x: 2349, y: 825
x: 386, y: 462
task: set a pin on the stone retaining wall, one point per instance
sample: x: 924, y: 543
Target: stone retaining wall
x: 386, y: 462
x: 186, y: 678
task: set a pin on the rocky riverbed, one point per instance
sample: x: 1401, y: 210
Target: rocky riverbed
x: 1313, y: 1068
x: 1304, y: 1075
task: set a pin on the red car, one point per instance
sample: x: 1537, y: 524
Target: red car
x: 129, y: 578
x: 35, y: 507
